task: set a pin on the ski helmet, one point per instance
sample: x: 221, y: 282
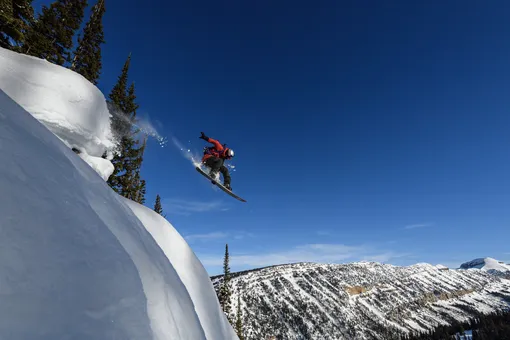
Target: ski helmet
x: 229, y: 153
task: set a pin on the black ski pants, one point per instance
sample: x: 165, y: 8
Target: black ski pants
x: 216, y: 164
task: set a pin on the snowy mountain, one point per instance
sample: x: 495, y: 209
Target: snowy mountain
x: 360, y: 300
x: 78, y: 261
x: 488, y: 264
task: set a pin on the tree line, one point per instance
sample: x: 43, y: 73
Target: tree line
x: 50, y: 35
x: 494, y: 326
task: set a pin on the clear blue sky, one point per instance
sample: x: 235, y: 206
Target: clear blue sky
x: 362, y: 130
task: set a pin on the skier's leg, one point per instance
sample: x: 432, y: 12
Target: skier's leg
x: 226, y: 177
x: 214, y: 163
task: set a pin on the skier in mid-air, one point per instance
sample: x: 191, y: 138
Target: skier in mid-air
x: 214, y: 157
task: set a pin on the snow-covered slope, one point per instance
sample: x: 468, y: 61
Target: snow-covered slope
x: 487, y: 264
x: 190, y: 270
x: 77, y: 261
x: 441, y: 267
x: 360, y: 300
x: 64, y: 101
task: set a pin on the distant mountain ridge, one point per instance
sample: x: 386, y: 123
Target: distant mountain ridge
x: 364, y: 300
x: 487, y: 264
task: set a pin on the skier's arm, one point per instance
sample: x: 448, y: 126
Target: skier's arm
x: 217, y: 145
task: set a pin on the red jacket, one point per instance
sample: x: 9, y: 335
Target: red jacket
x: 217, y: 150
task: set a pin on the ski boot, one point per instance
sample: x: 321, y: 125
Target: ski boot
x: 214, y: 176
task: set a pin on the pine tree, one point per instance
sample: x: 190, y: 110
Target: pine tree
x: 124, y: 178
x: 121, y: 126
x: 157, y: 206
x: 118, y: 96
x: 141, y: 192
x: 135, y: 186
x: 127, y: 161
x: 51, y: 35
x: 239, y: 321
x: 225, y: 292
x: 87, y: 57
x: 131, y: 105
x: 16, y: 16
x: 138, y: 186
x: 137, y: 192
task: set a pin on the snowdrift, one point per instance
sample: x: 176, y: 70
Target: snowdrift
x: 69, y: 105
x: 189, y: 268
x: 64, y: 101
x: 77, y: 261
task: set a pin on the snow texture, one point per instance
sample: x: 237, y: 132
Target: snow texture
x: 102, y: 166
x: 196, y: 280
x: 78, y: 261
x: 64, y: 101
x: 486, y: 264
x: 364, y: 300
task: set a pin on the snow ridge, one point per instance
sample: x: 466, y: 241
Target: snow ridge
x: 64, y: 101
x: 360, y: 300
x: 487, y: 264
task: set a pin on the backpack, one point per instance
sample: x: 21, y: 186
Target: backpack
x: 211, y: 150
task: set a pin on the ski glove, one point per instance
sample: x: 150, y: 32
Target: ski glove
x: 204, y: 137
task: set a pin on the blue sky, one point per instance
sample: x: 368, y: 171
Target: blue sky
x: 362, y: 130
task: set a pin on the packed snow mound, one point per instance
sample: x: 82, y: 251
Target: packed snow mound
x: 102, y: 166
x: 196, y: 280
x: 486, y: 264
x: 76, y: 262
x: 64, y: 101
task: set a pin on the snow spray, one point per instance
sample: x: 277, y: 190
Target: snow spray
x: 144, y: 125
x: 147, y: 128
x: 195, y: 159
